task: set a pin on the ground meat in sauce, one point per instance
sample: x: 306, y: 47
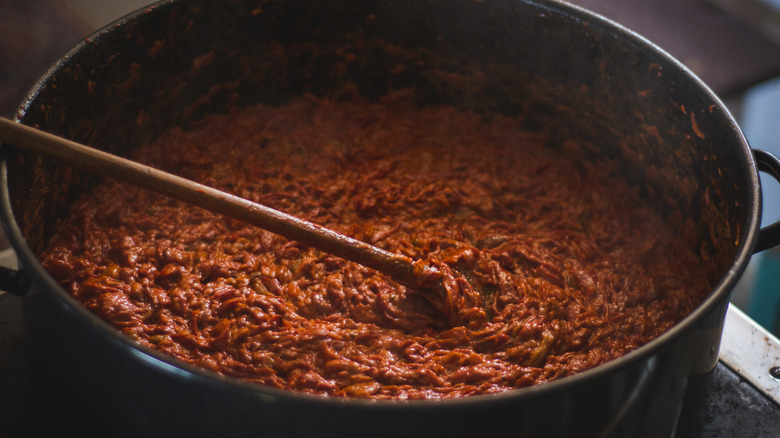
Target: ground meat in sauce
x: 571, y: 267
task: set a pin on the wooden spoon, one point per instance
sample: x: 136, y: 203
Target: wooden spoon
x: 402, y: 269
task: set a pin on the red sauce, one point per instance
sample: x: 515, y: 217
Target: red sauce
x: 569, y: 267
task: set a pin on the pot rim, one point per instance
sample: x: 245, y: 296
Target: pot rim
x: 31, y: 268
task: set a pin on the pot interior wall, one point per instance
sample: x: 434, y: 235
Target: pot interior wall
x: 568, y: 75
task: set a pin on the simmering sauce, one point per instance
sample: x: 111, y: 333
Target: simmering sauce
x: 558, y: 263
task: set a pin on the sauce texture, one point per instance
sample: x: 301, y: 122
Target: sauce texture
x: 558, y: 265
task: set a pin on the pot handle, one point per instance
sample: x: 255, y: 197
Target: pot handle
x: 768, y: 236
x: 11, y: 279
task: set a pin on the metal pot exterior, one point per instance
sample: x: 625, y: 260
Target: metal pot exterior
x: 89, y: 384
x: 563, y: 69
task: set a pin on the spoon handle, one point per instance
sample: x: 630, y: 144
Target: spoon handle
x: 398, y: 267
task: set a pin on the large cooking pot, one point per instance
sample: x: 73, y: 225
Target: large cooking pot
x: 565, y: 70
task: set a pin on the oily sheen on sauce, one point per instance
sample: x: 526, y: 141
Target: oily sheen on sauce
x: 569, y: 267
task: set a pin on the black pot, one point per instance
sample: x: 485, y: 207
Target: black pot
x: 562, y: 68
